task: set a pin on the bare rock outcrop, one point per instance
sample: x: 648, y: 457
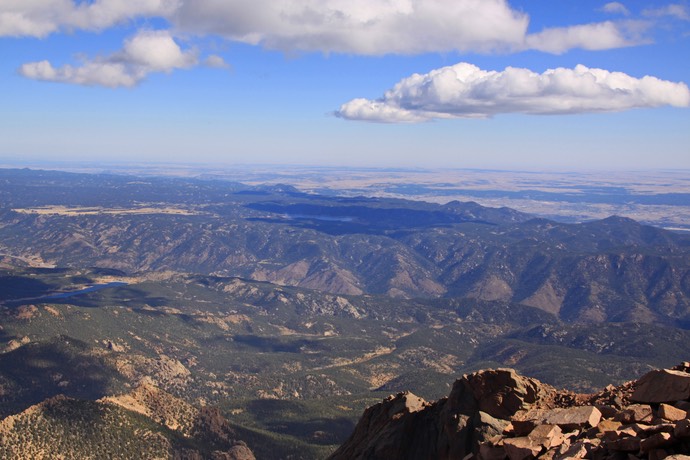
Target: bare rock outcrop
x: 662, y: 385
x: 387, y: 428
x: 498, y: 415
x: 406, y: 427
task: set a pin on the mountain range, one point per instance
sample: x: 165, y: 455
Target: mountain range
x: 281, y: 315
x: 608, y: 270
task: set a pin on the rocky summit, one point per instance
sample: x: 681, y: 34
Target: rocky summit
x: 498, y: 414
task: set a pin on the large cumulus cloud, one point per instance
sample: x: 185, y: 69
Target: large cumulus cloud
x: 375, y: 27
x: 359, y: 26
x: 367, y: 27
x: 466, y: 91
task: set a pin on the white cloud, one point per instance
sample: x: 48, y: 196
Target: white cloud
x: 674, y: 10
x: 146, y: 52
x: 100, y: 14
x: 595, y: 36
x: 38, y: 18
x: 109, y: 74
x: 376, y: 27
x: 216, y: 61
x: 157, y: 52
x: 466, y: 91
x: 35, y: 18
x: 15, y: 23
x: 615, y: 8
x: 387, y: 26
x: 384, y: 111
x: 371, y: 27
x: 367, y: 27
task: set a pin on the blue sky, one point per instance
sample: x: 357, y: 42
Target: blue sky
x: 421, y: 83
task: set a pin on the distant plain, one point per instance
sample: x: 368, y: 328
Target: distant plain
x: 655, y: 197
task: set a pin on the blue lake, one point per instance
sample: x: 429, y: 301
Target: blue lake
x: 320, y: 217
x: 95, y: 287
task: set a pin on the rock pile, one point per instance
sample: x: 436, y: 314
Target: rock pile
x: 498, y: 414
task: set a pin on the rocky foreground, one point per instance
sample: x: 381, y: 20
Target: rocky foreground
x: 498, y: 414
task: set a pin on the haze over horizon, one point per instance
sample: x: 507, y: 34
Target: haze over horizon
x: 463, y: 84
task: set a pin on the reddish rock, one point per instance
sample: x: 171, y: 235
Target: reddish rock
x: 386, y: 430
x: 574, y: 417
x: 606, y: 411
x: 655, y: 441
x: 635, y: 413
x: 632, y: 430
x: 606, y: 426
x: 626, y: 432
x: 552, y: 454
x: 498, y: 392
x: 521, y: 448
x: 662, y: 386
x: 487, y: 427
x: 497, y: 414
x: 578, y: 450
x: 671, y: 413
x: 547, y: 436
x: 613, y: 435
x: 524, y: 421
x: 648, y: 430
x: 625, y: 444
